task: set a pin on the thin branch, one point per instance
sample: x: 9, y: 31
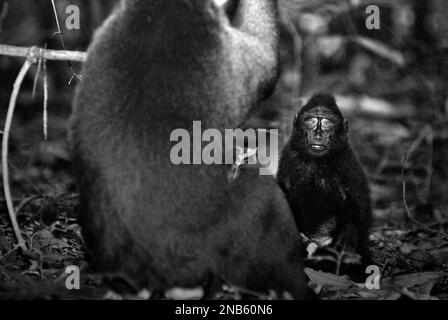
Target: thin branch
x: 12, y: 104
x: 405, y: 204
x: 26, y: 201
x: 74, y: 74
x: 430, y: 165
x: 45, y: 113
x: 57, y: 22
x: 339, y: 261
x: 36, y: 78
x: 59, y: 55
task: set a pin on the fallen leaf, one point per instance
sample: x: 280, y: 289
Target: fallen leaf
x: 328, y: 280
x: 422, y: 292
x: 410, y: 280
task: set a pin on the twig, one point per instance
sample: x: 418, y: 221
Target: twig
x: 384, y: 266
x: 74, y: 74
x: 419, y: 139
x: 45, y: 85
x: 339, y: 261
x: 36, y: 78
x: 45, y: 113
x: 59, y: 55
x: 12, y: 104
x: 25, y: 201
x: 430, y: 165
x: 405, y: 204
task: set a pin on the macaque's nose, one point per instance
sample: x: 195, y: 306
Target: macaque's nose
x: 318, y: 133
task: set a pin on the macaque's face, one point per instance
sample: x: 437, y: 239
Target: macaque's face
x: 321, y: 129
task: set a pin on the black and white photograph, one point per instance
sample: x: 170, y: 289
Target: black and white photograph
x: 230, y: 150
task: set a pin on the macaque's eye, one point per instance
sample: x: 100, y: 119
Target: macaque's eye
x: 311, y: 123
x: 326, y: 124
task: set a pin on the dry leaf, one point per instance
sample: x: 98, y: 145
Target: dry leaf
x: 328, y: 280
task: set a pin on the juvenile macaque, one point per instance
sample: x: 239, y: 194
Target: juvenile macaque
x: 156, y: 66
x: 324, y: 181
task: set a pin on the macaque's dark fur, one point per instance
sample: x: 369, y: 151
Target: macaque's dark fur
x: 327, y: 194
x: 153, y: 67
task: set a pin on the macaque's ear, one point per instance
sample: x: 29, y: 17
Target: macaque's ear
x: 346, y: 125
x: 296, y: 116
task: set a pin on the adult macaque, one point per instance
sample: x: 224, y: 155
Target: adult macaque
x: 153, y: 67
x: 324, y: 181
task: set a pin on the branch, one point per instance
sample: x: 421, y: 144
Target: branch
x: 74, y: 74
x: 60, y: 55
x: 33, y: 55
x: 405, y: 203
x: 12, y: 104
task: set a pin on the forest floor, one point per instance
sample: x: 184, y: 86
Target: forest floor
x: 413, y: 262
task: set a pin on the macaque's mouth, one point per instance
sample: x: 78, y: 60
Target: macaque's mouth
x: 317, y: 147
